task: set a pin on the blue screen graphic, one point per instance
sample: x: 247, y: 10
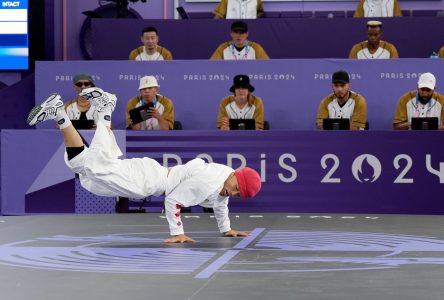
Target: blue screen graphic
x: 14, y: 48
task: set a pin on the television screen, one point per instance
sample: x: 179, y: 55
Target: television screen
x: 14, y: 49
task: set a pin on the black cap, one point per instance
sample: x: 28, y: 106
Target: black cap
x: 239, y: 26
x: 241, y: 81
x: 340, y: 76
x: 83, y: 76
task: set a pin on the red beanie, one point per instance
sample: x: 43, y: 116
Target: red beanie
x: 249, y: 182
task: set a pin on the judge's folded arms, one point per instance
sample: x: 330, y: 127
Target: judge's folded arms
x: 103, y: 173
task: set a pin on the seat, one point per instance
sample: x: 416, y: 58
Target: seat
x: 296, y: 14
x: 425, y: 13
x: 123, y: 205
x: 271, y: 14
x: 406, y: 13
x: 200, y: 15
x: 291, y: 14
x: 350, y: 13
x: 177, y: 125
x: 307, y: 14
x: 329, y: 14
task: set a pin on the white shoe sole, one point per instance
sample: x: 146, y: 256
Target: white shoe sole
x: 40, y: 112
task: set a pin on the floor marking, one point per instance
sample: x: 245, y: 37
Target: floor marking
x: 201, y: 288
x: 218, y: 263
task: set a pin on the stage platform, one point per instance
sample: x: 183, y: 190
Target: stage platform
x: 286, y: 256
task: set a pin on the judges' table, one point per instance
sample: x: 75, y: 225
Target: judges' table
x: 302, y: 171
x: 291, y: 89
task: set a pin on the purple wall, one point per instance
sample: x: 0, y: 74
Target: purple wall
x: 315, y: 5
x: 46, y: 184
x: 281, y: 38
x: 154, y: 9
x: 16, y: 101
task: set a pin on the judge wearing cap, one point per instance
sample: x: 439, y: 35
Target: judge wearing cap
x: 161, y: 113
x: 79, y: 108
x: 343, y: 103
x: 378, y: 8
x: 241, y: 105
x: 424, y: 102
x: 374, y: 47
x: 239, y: 48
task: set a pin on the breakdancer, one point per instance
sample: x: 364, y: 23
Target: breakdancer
x: 103, y: 173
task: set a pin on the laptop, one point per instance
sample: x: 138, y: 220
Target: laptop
x: 141, y: 113
x: 242, y: 124
x: 424, y: 123
x: 336, y: 124
x: 83, y: 124
x: 182, y: 13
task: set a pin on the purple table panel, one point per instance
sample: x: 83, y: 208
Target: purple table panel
x: 35, y: 178
x: 302, y: 171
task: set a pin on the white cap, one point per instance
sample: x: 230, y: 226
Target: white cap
x: 427, y: 80
x: 147, y: 82
x: 374, y: 23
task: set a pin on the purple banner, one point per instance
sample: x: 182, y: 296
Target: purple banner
x: 291, y: 89
x: 35, y: 178
x: 302, y: 171
x: 281, y: 38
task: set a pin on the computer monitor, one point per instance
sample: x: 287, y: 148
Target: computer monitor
x: 141, y: 113
x: 182, y: 13
x: 336, y: 124
x: 424, y: 123
x: 83, y: 124
x: 242, y: 124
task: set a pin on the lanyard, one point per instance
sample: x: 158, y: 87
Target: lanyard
x: 233, y: 50
x: 141, y: 102
x: 429, y: 104
x: 150, y: 122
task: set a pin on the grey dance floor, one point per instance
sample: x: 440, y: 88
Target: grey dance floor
x: 287, y: 256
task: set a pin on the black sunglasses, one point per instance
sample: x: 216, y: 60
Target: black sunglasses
x: 85, y: 84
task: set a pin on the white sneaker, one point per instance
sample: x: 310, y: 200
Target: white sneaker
x: 98, y: 98
x: 47, y: 110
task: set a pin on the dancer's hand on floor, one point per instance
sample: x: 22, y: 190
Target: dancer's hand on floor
x: 181, y: 238
x: 236, y: 233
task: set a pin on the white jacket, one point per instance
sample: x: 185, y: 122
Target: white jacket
x: 241, y: 9
x: 196, y: 183
x: 378, y: 8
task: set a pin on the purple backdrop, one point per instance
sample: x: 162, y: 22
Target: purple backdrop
x: 302, y: 171
x: 291, y: 89
x: 35, y: 178
x: 156, y: 10
x: 281, y: 38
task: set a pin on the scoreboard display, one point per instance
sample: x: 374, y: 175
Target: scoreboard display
x: 14, y: 42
